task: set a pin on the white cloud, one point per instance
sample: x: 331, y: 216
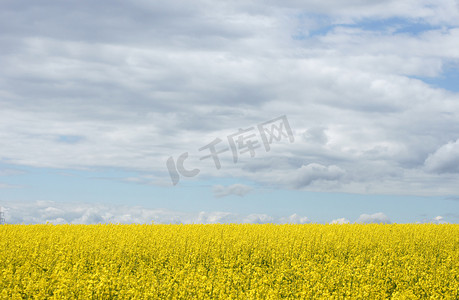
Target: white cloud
x: 235, y: 189
x: 295, y: 219
x: 258, y: 219
x: 315, y: 135
x: 438, y: 220
x: 340, y: 221
x: 373, y: 218
x: 216, y: 217
x: 435, y: 220
x: 313, y: 172
x: 170, y: 78
x: 84, y: 213
x: 445, y: 159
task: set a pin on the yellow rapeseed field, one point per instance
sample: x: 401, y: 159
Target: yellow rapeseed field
x: 229, y: 261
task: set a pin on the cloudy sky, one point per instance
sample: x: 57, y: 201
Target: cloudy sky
x: 229, y: 111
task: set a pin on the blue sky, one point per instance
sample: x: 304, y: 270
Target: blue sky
x: 94, y: 102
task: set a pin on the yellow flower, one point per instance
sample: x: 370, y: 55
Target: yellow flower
x: 229, y: 261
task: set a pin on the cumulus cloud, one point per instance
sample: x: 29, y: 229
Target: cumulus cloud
x: 295, y: 219
x: 439, y: 220
x: 169, y: 78
x: 216, y: 217
x: 235, y: 189
x: 85, y: 213
x: 445, y: 159
x: 258, y: 219
x: 378, y: 217
x: 435, y: 220
x: 313, y: 172
x: 315, y: 135
x: 340, y: 221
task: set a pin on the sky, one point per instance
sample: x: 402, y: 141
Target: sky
x: 229, y: 111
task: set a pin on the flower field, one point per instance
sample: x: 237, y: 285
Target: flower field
x: 229, y: 261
